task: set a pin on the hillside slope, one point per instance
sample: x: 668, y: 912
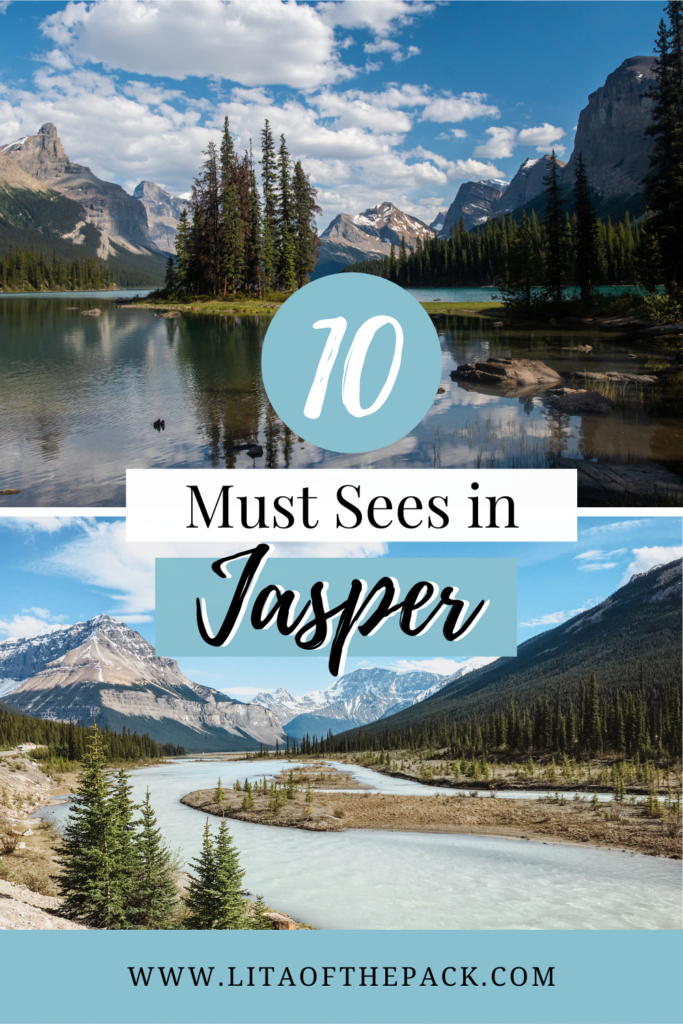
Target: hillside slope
x: 104, y: 670
x: 637, y: 629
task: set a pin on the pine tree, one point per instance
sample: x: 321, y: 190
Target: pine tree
x: 524, y: 263
x: 554, y: 224
x: 155, y: 893
x: 202, y: 891
x: 170, y: 282
x: 259, y: 921
x: 230, y: 905
x: 586, y: 245
x: 305, y: 235
x: 219, y: 795
x: 285, y: 217
x: 96, y: 852
x: 664, y: 183
x: 183, y: 252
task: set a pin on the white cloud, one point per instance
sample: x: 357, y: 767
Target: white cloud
x: 32, y: 622
x: 501, y: 143
x: 592, y: 555
x: 442, y: 666
x: 621, y: 524
x: 100, y: 556
x: 555, y: 618
x: 464, y: 107
x: 205, y: 38
x: 646, y: 558
x: 542, y: 137
x: 504, y: 140
x: 381, y: 17
x: 472, y: 169
x: 597, y: 566
x: 459, y: 133
x: 4, y: 4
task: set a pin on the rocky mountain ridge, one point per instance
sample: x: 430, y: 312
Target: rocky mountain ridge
x: 103, y: 670
x: 120, y: 218
x: 352, y: 238
x: 475, y: 202
x: 363, y: 696
x: 163, y: 213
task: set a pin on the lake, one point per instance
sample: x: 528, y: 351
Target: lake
x: 366, y: 879
x: 80, y: 396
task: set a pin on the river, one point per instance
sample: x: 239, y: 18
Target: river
x: 366, y: 879
x: 80, y: 396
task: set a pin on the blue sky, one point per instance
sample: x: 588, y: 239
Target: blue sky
x: 381, y: 99
x: 68, y: 570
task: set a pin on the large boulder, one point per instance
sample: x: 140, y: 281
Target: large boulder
x: 508, y: 373
x: 578, y: 403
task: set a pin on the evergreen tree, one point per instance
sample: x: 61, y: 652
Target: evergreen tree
x: 170, y: 282
x: 96, y: 853
x: 230, y: 904
x: 201, y: 898
x: 218, y: 792
x: 585, y: 248
x: 207, y: 228
x: 285, y: 221
x: 259, y: 921
x: 155, y: 894
x: 664, y: 183
x: 525, y: 263
x: 305, y: 235
x: 183, y: 252
x: 254, y: 254
x: 554, y: 224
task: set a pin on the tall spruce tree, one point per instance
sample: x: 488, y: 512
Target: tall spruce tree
x: 286, y: 273
x: 230, y: 904
x: 305, y: 235
x: 155, y: 892
x: 664, y: 183
x: 554, y: 224
x: 207, y: 228
x: 170, y: 282
x: 585, y: 249
x: 96, y: 850
x: 524, y: 263
x: 202, y: 891
x: 183, y: 251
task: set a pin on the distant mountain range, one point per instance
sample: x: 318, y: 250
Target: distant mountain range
x: 363, y: 696
x: 634, y: 634
x: 103, y: 670
x: 367, y: 235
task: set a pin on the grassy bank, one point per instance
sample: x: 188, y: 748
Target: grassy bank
x: 618, y: 825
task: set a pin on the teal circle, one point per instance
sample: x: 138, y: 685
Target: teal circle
x: 293, y: 348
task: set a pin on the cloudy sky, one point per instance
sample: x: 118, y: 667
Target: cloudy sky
x: 68, y: 570
x: 381, y: 99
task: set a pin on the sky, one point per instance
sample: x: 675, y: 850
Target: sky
x: 398, y: 100
x: 66, y: 570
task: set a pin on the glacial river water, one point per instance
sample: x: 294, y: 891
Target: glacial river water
x: 80, y: 396
x: 367, y: 879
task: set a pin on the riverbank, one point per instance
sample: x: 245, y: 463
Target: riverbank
x: 618, y: 826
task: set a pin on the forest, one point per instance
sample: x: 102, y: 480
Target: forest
x: 32, y: 271
x: 630, y: 721
x: 242, y: 237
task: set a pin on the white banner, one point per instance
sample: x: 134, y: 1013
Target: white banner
x: 331, y: 505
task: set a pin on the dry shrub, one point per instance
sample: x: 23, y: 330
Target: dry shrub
x: 37, y: 878
x: 8, y: 842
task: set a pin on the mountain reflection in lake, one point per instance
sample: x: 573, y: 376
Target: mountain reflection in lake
x: 367, y: 879
x: 80, y: 396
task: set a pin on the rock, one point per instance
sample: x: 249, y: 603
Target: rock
x: 617, y: 378
x: 498, y: 323
x: 170, y: 316
x: 441, y: 391
x: 10, y: 490
x: 577, y: 348
x: 163, y: 213
x: 21, y: 846
x: 611, y: 131
x: 120, y: 217
x: 526, y: 185
x: 475, y: 202
x: 577, y: 403
x: 508, y: 373
x: 91, y: 312
x: 616, y: 486
x: 280, y: 921
x: 659, y: 331
x: 256, y: 452
x: 28, y: 832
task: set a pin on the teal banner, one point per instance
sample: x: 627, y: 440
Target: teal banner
x: 252, y: 604
x: 304, y: 977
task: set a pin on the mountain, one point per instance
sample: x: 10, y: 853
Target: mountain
x: 475, y: 202
x: 102, y: 669
x: 438, y: 221
x: 365, y: 236
x: 526, y: 185
x: 163, y: 213
x: 636, y: 630
x: 611, y: 131
x: 363, y: 696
